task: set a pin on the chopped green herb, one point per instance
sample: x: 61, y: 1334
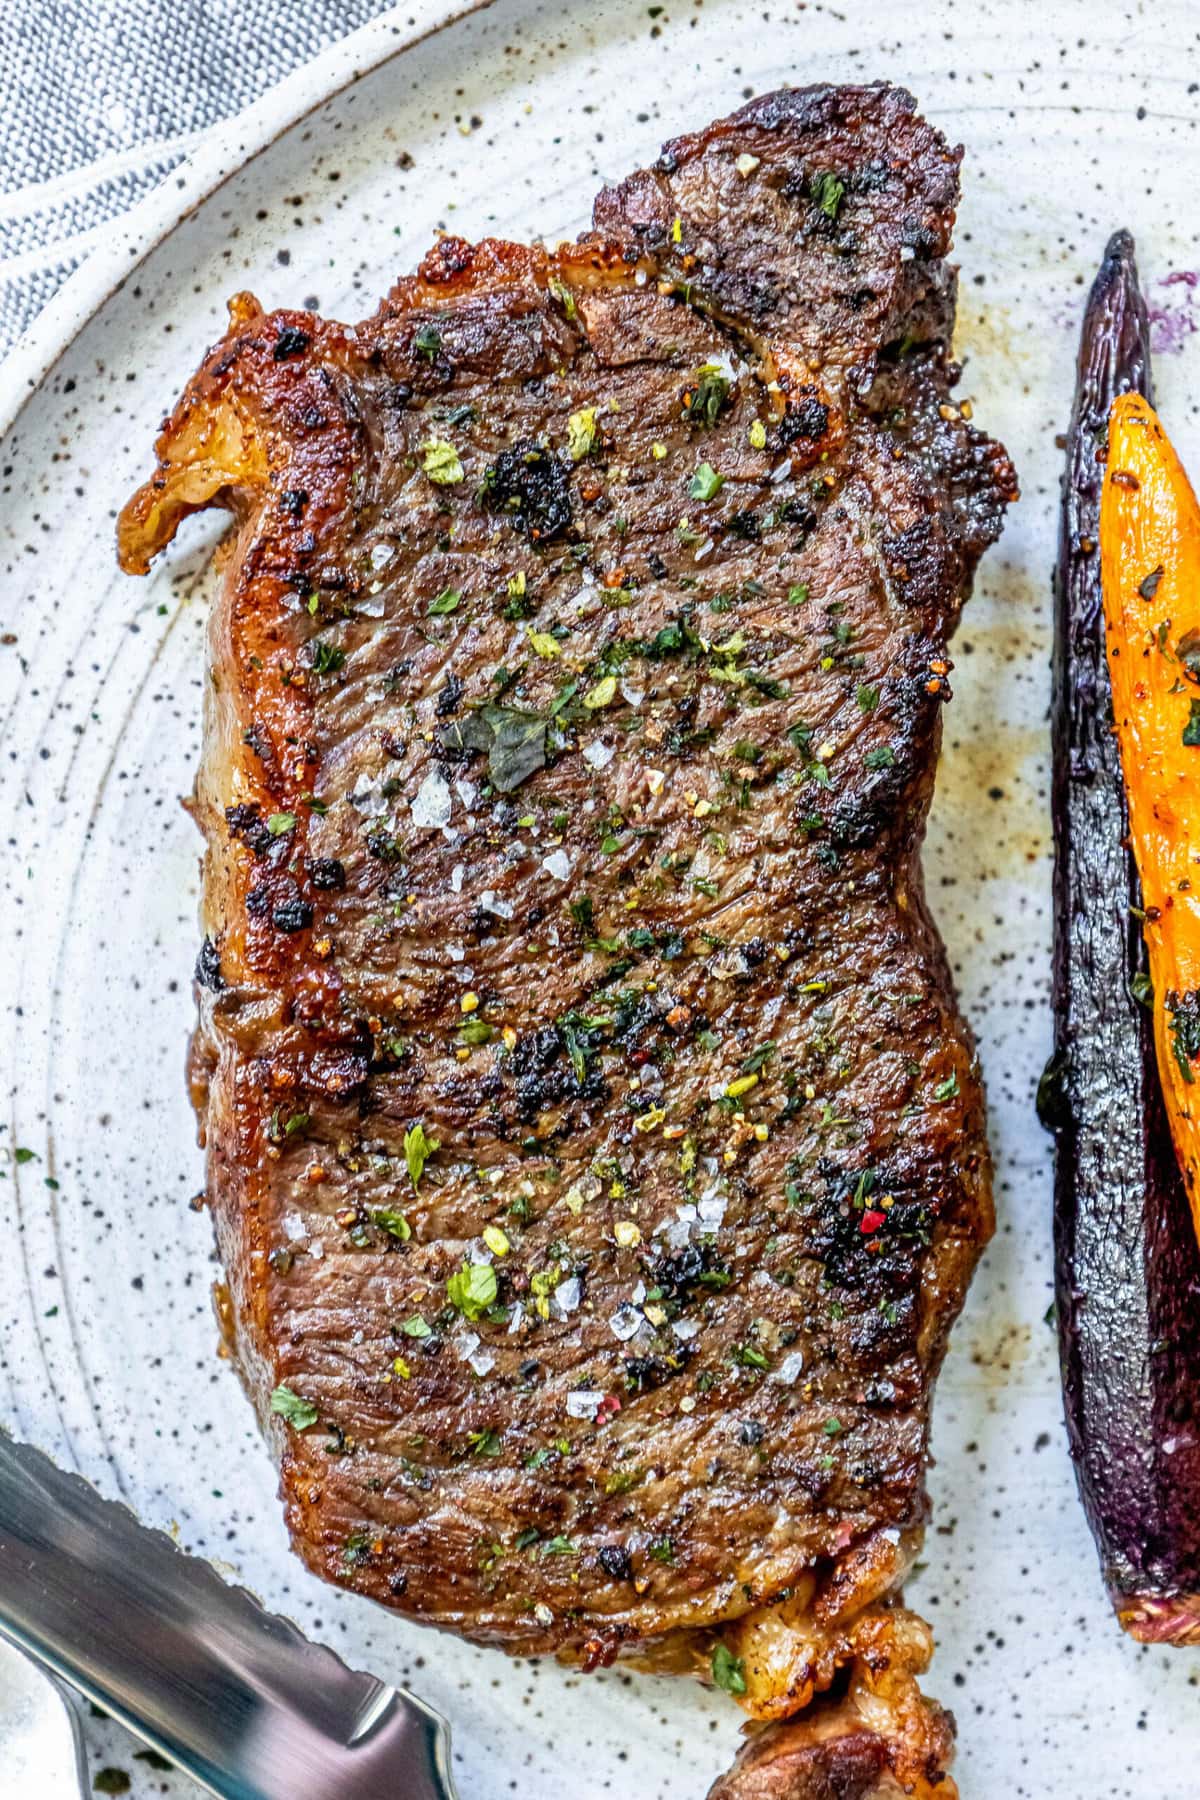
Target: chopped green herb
x: 728, y: 1670
x: 1188, y: 651
x: 867, y: 697
x: 356, y: 1549
x: 485, y: 1443
x: 582, y: 910
x: 798, y: 593
x: 1191, y: 731
x: 296, y: 1412
x: 21, y: 1155
x: 882, y: 757
x: 563, y: 295
x: 705, y: 484
x: 515, y: 742
x: 428, y: 341
x: 416, y: 1327
x: 280, y: 823
x: 603, y: 694
x: 472, y: 1290
x: 326, y: 659
x: 707, y: 394
x: 576, y: 1041
x: 581, y: 433
x: 623, y: 1481
x: 441, y: 462
x: 542, y: 644
x: 948, y: 1089
x: 1183, y: 1014
x: 417, y: 1150
x: 559, y: 1546
x: 394, y: 1223
x: 828, y: 192
x: 446, y: 601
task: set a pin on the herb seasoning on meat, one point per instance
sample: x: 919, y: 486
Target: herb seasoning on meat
x: 601, y: 984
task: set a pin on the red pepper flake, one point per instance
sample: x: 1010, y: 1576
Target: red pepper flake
x: 872, y: 1219
x: 608, y: 1409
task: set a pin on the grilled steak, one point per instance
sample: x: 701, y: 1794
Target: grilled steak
x: 595, y: 1148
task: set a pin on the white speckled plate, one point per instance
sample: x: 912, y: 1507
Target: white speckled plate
x: 1076, y: 118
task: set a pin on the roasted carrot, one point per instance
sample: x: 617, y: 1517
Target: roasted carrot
x: 1150, y: 570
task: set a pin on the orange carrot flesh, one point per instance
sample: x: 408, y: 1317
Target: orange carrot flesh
x: 1150, y: 570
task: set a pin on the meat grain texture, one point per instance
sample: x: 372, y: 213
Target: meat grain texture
x: 595, y: 1146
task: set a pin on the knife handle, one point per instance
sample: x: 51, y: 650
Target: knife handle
x: 234, y: 1695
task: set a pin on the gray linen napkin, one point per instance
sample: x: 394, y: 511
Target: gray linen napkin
x: 100, y: 99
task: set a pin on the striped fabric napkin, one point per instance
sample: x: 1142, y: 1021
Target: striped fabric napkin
x: 100, y: 99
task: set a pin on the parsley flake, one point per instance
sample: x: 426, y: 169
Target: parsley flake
x: 603, y: 694
x: 581, y: 433
x: 417, y: 1150
x: 295, y: 1411
x: 1183, y: 1015
x: 393, y: 1222
x: 828, y: 192
x: 441, y: 462
x: 705, y: 484
x: 472, y: 1290
x: 707, y: 394
x: 326, y: 659
x: 728, y: 1670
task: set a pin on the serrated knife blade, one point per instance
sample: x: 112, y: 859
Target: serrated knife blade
x: 236, y: 1696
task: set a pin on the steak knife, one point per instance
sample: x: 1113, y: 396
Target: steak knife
x: 235, y: 1696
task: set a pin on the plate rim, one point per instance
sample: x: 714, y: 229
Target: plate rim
x: 150, y: 222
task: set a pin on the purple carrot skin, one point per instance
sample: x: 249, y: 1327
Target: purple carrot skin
x: 1127, y: 1264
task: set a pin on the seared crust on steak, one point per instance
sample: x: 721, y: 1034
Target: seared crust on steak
x: 576, y: 691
